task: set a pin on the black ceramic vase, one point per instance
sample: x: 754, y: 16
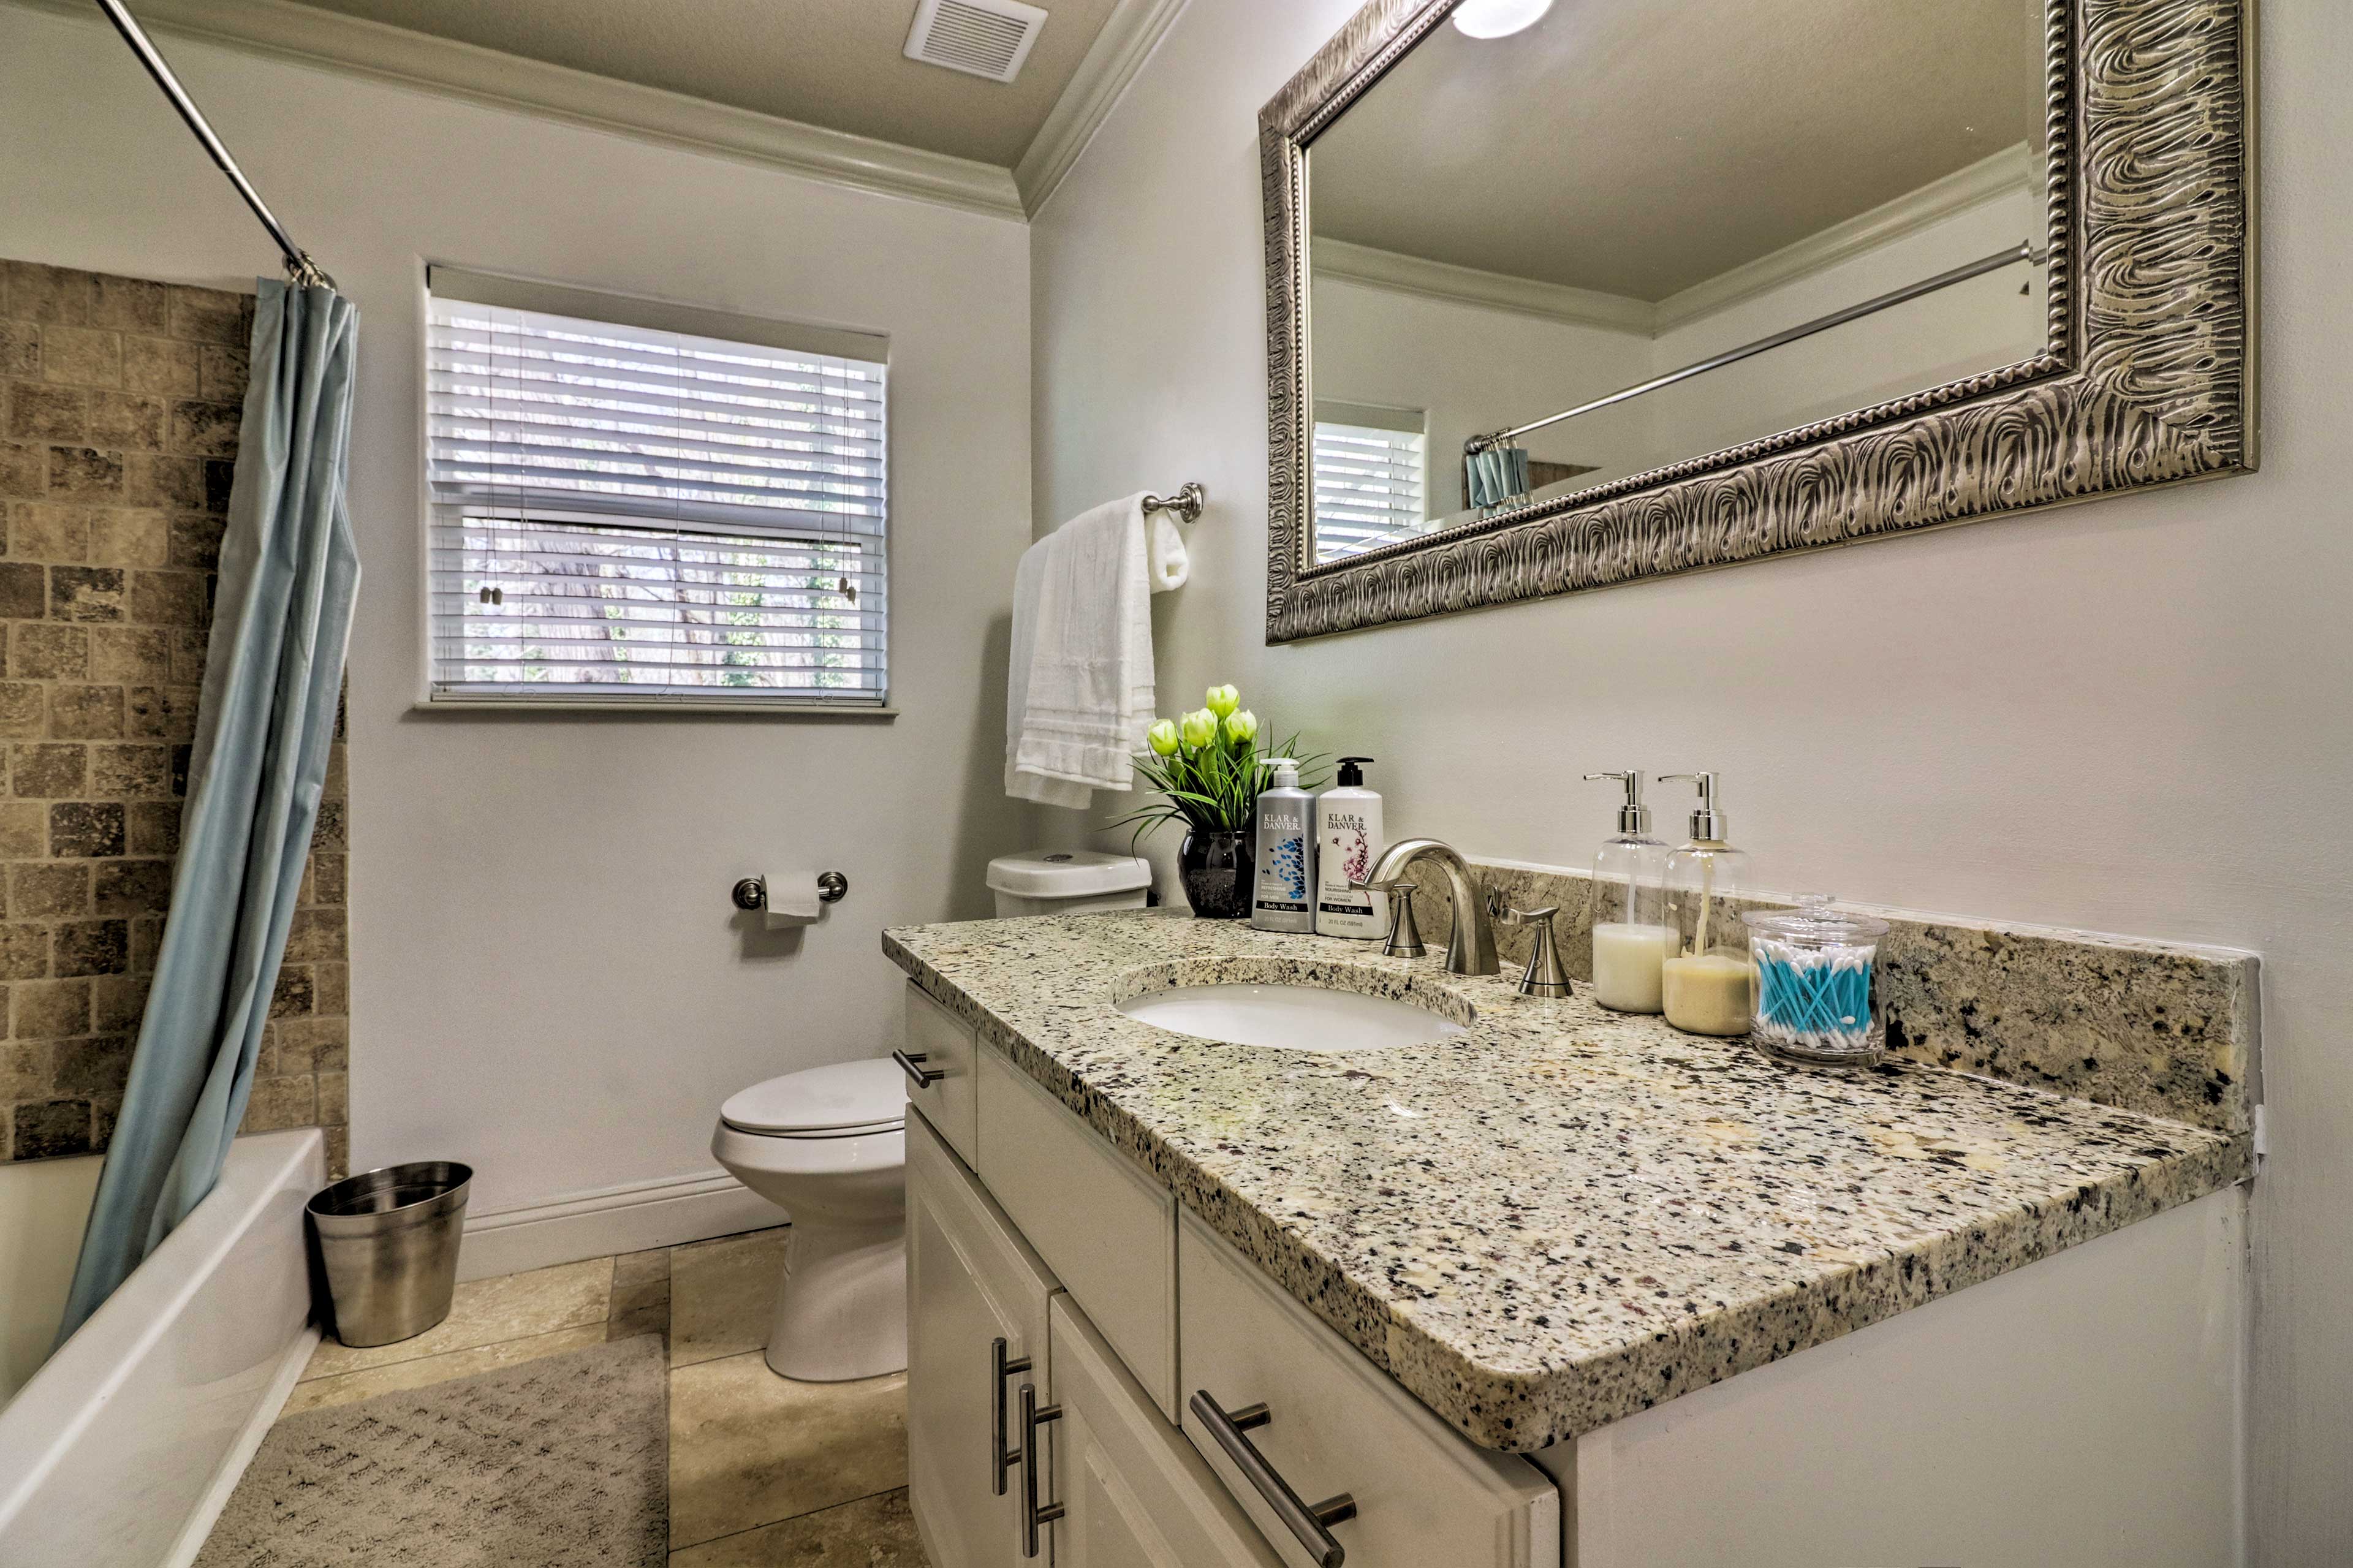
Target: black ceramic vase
x: 1216, y: 864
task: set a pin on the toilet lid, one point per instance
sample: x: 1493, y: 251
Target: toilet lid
x: 1067, y: 874
x: 847, y: 1097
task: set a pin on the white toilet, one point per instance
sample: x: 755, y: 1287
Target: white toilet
x: 828, y: 1146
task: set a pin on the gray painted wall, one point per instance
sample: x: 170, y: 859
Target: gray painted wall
x: 554, y: 985
x: 2128, y: 716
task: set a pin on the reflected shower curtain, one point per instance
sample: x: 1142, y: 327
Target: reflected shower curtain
x: 1495, y: 475
x: 273, y: 673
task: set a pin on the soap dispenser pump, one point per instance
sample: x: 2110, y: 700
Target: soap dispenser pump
x: 1633, y: 937
x: 1709, y: 987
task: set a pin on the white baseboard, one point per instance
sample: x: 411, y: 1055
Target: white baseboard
x: 618, y: 1219
x: 291, y: 1363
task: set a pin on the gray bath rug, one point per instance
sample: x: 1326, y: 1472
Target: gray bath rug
x: 560, y: 1462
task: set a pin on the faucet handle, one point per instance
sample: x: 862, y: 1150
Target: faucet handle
x: 1405, y: 937
x: 1544, y: 975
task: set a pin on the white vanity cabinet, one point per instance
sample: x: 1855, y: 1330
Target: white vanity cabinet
x: 976, y: 1331
x: 2082, y: 1409
x: 1125, y: 1490
x: 1049, y: 1224
x: 1109, y: 1483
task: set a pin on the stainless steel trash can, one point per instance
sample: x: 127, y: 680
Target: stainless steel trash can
x: 388, y: 1241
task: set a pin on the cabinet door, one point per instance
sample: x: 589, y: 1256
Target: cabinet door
x: 970, y: 1282
x: 1133, y: 1494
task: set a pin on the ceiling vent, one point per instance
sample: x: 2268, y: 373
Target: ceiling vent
x: 986, y: 37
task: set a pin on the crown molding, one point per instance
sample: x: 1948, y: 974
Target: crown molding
x: 1402, y: 274
x: 1130, y: 34
x: 2002, y: 173
x: 306, y: 36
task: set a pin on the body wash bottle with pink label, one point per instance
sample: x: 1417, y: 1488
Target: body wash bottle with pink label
x: 1348, y: 841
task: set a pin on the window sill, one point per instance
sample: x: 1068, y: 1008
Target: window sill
x: 735, y: 708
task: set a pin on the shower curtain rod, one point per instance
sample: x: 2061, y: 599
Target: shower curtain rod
x: 304, y: 271
x: 2022, y: 251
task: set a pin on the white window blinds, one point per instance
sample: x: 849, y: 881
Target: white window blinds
x: 1369, y: 477
x: 634, y: 501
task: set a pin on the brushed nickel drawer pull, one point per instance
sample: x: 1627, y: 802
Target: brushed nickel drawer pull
x: 1310, y: 1522
x: 1034, y: 1518
x: 1002, y: 1459
x: 923, y: 1077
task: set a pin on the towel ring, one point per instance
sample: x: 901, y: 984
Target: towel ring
x: 1185, y: 504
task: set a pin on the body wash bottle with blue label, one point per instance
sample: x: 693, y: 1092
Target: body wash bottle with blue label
x: 1283, y: 897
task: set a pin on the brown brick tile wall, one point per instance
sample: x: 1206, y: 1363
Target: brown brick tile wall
x: 119, y: 400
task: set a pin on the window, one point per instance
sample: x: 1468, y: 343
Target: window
x: 634, y: 501
x: 1369, y: 481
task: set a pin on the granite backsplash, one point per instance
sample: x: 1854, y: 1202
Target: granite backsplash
x: 2162, y: 1028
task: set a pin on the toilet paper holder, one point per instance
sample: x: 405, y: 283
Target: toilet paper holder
x: 752, y: 892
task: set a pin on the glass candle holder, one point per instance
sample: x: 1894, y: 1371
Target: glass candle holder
x: 1817, y: 992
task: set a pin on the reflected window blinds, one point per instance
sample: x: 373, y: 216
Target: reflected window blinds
x: 1369, y: 477
x: 634, y: 501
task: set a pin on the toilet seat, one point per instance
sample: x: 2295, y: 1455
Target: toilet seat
x: 859, y: 1158
x: 847, y: 1099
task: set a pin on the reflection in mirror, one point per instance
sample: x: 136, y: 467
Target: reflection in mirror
x: 1622, y: 236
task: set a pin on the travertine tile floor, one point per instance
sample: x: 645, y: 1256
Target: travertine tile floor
x: 763, y: 1471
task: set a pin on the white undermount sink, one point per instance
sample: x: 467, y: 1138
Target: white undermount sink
x: 1289, y: 1018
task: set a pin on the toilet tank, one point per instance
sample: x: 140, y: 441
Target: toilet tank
x: 1067, y: 882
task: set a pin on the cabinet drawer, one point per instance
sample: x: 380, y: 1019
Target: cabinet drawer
x: 1133, y: 1494
x: 1107, y: 1231
x: 951, y: 1102
x: 1424, y: 1494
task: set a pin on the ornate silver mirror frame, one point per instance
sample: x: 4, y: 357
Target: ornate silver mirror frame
x: 2148, y: 379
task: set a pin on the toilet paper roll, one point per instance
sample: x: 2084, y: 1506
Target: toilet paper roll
x: 792, y: 899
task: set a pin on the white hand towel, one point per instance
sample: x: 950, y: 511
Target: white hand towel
x: 1080, y: 719
x: 1018, y: 784
x: 1167, y: 563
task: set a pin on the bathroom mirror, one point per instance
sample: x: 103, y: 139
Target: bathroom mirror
x: 1565, y: 294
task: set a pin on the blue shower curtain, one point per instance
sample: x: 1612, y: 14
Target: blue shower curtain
x: 1496, y: 475
x: 273, y: 675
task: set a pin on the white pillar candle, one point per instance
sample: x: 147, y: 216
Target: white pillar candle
x: 1626, y: 960
x: 1714, y: 994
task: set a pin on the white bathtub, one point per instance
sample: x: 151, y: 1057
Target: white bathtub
x: 121, y: 1449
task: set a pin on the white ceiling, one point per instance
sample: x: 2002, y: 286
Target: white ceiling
x: 1638, y: 149
x: 834, y: 63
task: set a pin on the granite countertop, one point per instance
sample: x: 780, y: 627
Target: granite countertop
x: 1563, y: 1215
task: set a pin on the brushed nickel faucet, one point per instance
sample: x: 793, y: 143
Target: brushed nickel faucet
x: 1471, y: 946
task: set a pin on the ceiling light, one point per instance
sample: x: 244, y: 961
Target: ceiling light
x: 1498, y: 18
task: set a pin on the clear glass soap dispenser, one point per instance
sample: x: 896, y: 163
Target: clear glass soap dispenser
x: 1710, y: 988
x: 1631, y: 934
